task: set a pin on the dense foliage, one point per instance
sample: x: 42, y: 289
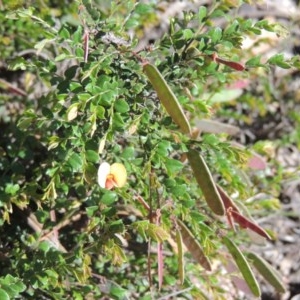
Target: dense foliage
x: 86, y: 95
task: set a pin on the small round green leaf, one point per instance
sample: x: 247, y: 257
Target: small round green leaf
x: 121, y: 106
x: 75, y: 162
x: 4, y: 295
x: 92, y: 156
x: 109, y: 198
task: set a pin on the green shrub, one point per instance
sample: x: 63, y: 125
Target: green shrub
x: 88, y: 97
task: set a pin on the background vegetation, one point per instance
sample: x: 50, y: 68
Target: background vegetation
x: 75, y: 91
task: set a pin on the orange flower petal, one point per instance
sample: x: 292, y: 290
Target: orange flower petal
x: 110, y: 183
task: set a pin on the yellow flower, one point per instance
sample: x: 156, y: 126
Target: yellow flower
x: 110, y: 176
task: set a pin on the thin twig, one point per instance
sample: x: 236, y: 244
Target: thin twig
x: 175, y: 294
x: 38, y: 228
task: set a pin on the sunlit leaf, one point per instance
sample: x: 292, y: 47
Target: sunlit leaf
x: 72, y: 112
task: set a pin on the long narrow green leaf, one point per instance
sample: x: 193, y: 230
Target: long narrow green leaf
x: 193, y: 246
x: 180, y: 256
x: 167, y: 97
x: 267, y: 271
x: 206, y: 182
x: 243, y: 266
